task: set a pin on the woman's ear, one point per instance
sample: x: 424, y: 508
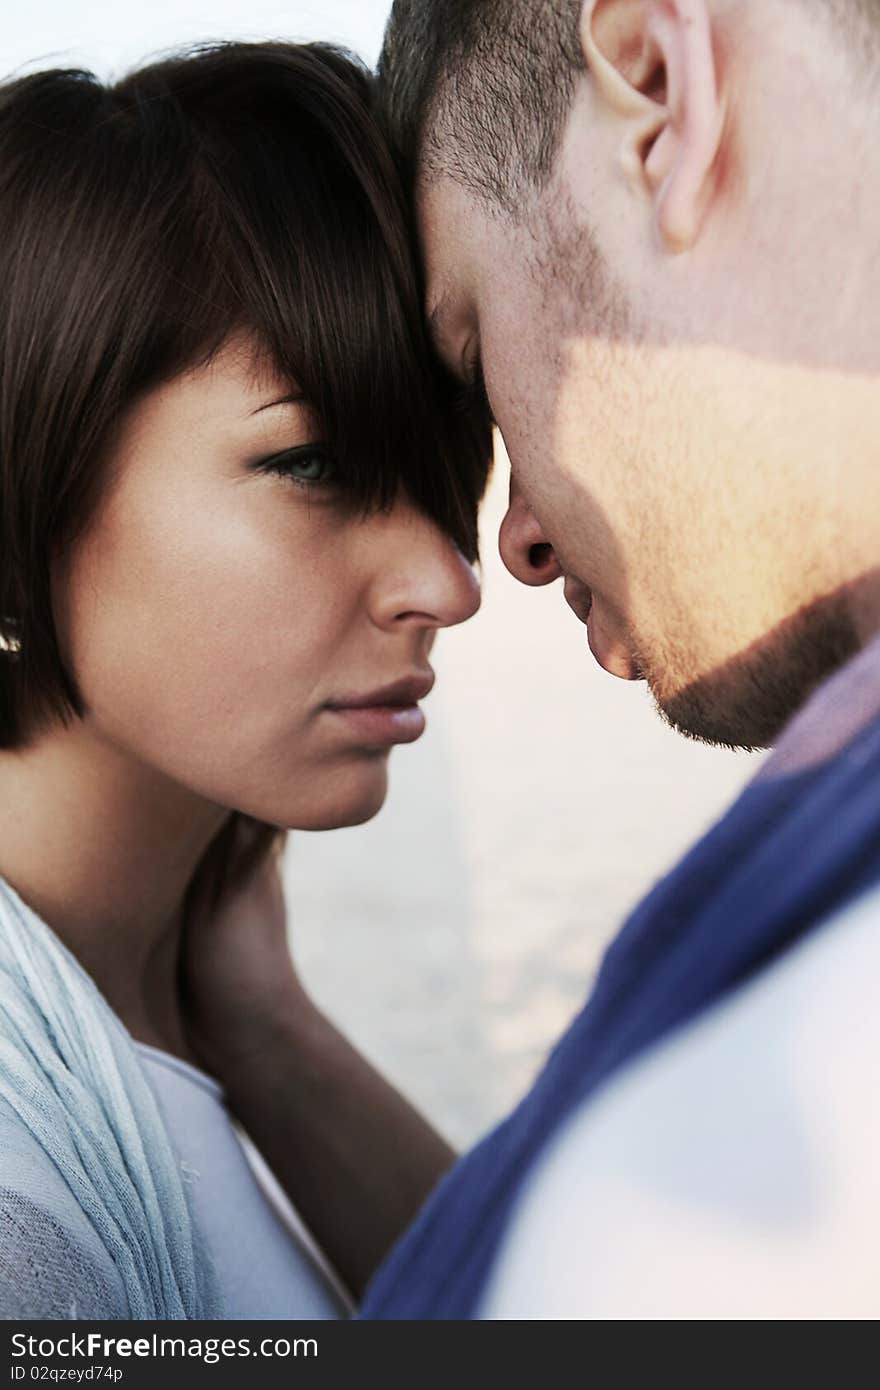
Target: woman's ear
x: 653, y: 66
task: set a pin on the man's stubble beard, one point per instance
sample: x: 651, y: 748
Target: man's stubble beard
x: 746, y: 702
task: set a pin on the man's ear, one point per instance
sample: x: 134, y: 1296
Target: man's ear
x: 653, y: 66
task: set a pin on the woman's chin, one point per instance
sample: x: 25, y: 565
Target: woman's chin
x: 342, y: 803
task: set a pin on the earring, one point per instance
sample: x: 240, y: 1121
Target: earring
x: 8, y: 642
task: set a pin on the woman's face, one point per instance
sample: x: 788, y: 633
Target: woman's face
x: 233, y: 620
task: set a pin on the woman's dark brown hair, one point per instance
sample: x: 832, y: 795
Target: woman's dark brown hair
x: 241, y: 186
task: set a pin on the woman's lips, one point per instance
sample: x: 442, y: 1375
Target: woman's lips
x: 383, y: 725
x: 388, y: 715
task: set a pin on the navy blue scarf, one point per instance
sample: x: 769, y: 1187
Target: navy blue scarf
x: 801, y: 841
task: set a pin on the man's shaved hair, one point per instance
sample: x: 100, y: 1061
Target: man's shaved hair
x: 480, y: 89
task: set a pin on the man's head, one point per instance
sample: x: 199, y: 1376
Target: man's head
x: 649, y: 227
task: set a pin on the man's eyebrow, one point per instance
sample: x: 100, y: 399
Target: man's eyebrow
x: 436, y: 318
x: 436, y: 312
x: 476, y: 398
x: 473, y: 397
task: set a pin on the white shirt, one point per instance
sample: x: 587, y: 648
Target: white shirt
x: 268, y: 1265
x: 734, y: 1171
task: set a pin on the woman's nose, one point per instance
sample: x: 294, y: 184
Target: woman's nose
x: 524, y: 548
x: 424, y: 580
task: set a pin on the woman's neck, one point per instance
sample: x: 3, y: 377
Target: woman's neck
x: 103, y: 847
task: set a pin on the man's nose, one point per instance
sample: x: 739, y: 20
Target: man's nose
x: 424, y: 581
x: 524, y: 548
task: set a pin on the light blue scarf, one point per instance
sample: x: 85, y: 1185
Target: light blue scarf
x: 71, y: 1074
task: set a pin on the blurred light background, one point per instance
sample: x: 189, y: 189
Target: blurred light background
x: 455, y: 935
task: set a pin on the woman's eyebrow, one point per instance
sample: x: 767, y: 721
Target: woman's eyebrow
x: 296, y: 399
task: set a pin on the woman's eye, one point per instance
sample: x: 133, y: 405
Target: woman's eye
x: 307, y: 464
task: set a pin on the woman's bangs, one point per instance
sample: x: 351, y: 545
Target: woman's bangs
x: 290, y: 222
x: 326, y: 303
x: 313, y: 251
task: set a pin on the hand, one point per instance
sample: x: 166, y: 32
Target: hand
x: 239, y: 985
x: 353, y: 1156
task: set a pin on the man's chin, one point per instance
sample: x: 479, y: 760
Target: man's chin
x: 702, y: 712
x: 746, y: 702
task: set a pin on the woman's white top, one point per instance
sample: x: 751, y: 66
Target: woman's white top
x: 268, y: 1265
x: 121, y: 1167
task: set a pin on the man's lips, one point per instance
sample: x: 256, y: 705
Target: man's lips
x: 388, y: 715
x: 612, y: 655
x: 578, y: 597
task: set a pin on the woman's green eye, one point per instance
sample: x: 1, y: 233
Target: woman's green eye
x: 307, y: 464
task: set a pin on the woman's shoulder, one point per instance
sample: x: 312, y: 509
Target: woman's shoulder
x: 52, y: 1264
